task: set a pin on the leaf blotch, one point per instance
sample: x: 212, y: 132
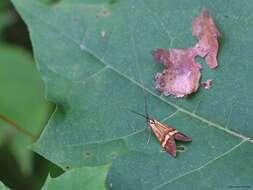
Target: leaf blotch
x: 182, y: 72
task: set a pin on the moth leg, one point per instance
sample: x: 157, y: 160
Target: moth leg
x: 149, y: 137
x: 181, y: 148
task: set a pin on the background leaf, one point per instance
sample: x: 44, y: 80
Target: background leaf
x: 79, y: 179
x: 2, y: 186
x: 99, y: 64
x: 22, y: 101
x: 6, y: 18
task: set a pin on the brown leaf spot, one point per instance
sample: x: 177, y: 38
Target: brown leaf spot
x: 204, y: 28
x: 182, y: 73
x: 207, y: 84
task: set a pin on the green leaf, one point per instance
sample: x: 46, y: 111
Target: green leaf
x: 79, y: 179
x: 2, y: 186
x: 22, y: 101
x: 233, y: 168
x: 6, y: 18
x: 95, y: 61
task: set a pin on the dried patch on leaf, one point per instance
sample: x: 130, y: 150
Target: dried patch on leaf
x: 207, y: 84
x: 204, y: 28
x: 182, y: 73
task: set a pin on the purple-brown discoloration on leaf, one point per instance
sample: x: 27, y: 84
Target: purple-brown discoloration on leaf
x: 207, y: 84
x: 204, y: 28
x: 182, y: 73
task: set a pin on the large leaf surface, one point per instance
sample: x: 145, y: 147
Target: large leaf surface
x: 94, y: 57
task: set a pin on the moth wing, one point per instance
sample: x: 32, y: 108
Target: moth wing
x: 170, y: 146
x: 182, y: 137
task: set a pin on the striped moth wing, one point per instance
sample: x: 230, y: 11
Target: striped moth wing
x: 167, y: 136
x: 170, y: 146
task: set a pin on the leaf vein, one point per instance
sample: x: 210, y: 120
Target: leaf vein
x: 202, y: 166
x: 119, y: 138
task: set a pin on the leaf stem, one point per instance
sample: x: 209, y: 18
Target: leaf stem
x: 17, y: 127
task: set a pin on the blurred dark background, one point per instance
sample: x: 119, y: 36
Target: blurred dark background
x: 22, y: 101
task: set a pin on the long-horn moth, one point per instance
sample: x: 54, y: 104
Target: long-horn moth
x: 165, y: 134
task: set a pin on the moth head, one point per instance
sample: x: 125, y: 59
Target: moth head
x: 151, y: 121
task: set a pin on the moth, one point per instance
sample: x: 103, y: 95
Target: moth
x: 165, y: 134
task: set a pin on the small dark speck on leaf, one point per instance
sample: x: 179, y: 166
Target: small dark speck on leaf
x: 102, y: 13
x: 87, y: 154
x: 67, y: 167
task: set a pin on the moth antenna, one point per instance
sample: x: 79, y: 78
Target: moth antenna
x: 139, y: 114
x: 146, y: 106
x: 149, y: 137
x: 147, y: 116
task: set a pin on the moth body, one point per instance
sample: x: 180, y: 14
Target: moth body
x: 167, y: 136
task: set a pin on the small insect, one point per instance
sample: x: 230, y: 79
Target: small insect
x: 165, y: 134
